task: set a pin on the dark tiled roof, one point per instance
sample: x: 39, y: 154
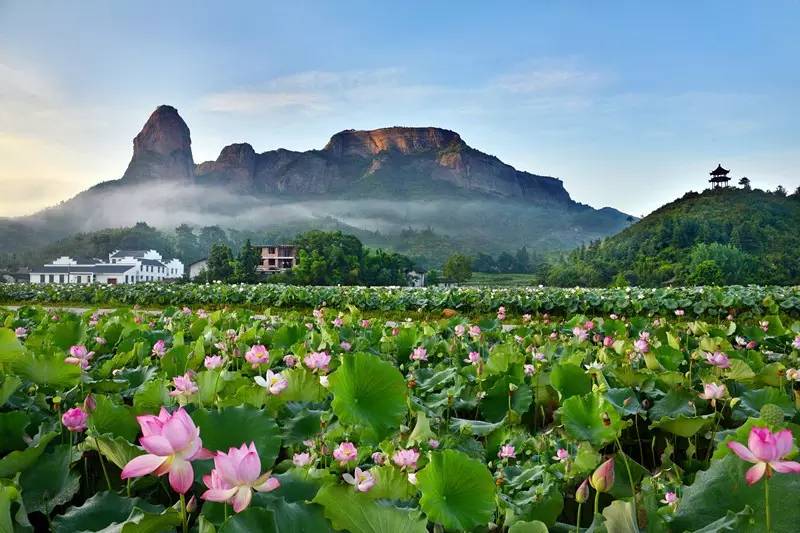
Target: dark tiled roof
x: 76, y: 269
x: 151, y: 262
x: 719, y: 171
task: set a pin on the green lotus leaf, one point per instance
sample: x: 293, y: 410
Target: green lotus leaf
x: 47, y: 371
x: 356, y: 512
x: 49, y: 482
x: 528, y: 527
x: 19, y: 460
x: 751, y: 402
x: 111, y: 417
x: 592, y: 418
x: 457, y: 492
x: 100, y: 511
x: 369, y: 392
x: 682, y: 425
x: 570, y: 380
x: 118, y: 450
x: 10, y: 348
x: 496, y: 403
x: 233, y: 426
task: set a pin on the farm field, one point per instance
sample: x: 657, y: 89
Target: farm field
x: 219, y: 420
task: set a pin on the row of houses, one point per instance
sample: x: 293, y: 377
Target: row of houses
x: 122, y: 266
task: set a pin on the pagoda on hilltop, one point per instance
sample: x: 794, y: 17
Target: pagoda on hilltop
x: 719, y: 177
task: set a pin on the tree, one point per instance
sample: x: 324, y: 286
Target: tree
x: 745, y: 183
x: 523, y: 260
x: 457, y: 268
x: 780, y: 190
x: 186, y: 246
x: 220, y: 263
x: 210, y: 235
x: 707, y: 273
x: 244, y: 270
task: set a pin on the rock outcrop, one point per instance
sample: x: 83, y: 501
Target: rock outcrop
x: 163, y: 149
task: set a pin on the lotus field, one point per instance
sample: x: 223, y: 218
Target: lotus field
x: 231, y: 421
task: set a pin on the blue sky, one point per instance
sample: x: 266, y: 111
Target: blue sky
x: 630, y: 103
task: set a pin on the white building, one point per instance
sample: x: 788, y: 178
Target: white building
x: 197, y: 268
x: 123, y: 266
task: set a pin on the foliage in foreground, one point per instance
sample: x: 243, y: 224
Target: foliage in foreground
x: 334, y: 422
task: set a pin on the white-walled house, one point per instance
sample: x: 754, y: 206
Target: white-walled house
x: 123, y: 266
x: 197, y: 268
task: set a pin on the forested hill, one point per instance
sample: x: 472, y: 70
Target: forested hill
x: 723, y: 236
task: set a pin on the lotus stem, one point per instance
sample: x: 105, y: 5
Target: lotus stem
x: 766, y: 503
x: 633, y: 487
x: 578, y: 519
x: 596, y: 502
x: 184, y: 522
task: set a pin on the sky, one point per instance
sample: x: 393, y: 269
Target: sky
x: 630, y: 103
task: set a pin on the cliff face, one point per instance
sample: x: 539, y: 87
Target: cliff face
x: 396, y: 161
x: 162, y: 150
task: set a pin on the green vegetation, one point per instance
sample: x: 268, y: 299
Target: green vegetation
x: 719, y: 237
x: 351, y: 424
x: 457, y: 268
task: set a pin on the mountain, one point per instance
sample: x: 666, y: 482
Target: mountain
x: 720, y: 236
x: 376, y: 181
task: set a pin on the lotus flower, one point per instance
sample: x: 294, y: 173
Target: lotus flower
x: 507, y: 451
x: 317, y: 361
x: 713, y: 392
x: 337, y: 322
x: 289, y: 360
x: 184, y: 386
x: 419, y: 354
x: 345, y: 346
x: 501, y: 313
x: 679, y: 312
x: 406, y: 459
x: 212, y: 361
x: 257, y: 355
x: 75, y: 419
x: 345, y: 452
x: 796, y: 343
x: 473, y: 358
x: 379, y: 458
x: 459, y: 330
x: 172, y: 442
x: 474, y: 331
x: 670, y: 498
x: 561, y: 455
x: 580, y: 333
x: 362, y: 481
x: 608, y: 342
x: 365, y: 323
x: 433, y: 443
x: 582, y: 494
x: 641, y: 345
x: 301, y: 459
x: 20, y: 333
x: 718, y: 359
x: 235, y: 475
x: 529, y: 369
x: 79, y: 355
x: 766, y: 450
x: 274, y: 382
x: 603, y: 477
x: 159, y: 348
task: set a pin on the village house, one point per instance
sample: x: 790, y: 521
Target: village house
x: 276, y: 257
x: 123, y: 266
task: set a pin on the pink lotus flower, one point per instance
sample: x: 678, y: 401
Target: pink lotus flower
x: 713, y: 392
x: 318, y: 313
x: 588, y: 325
x: 212, y: 361
x: 159, y: 348
x: 75, y: 419
x: 459, y: 330
x: 79, y: 355
x: 345, y: 452
x: 406, y: 459
x: 257, y: 355
x: 670, y: 498
x: 529, y: 369
x: 766, y: 449
x: 792, y: 374
x: 474, y: 331
x: 275, y: 382
x: 507, y: 451
x: 21, y: 333
x: 100, y: 340
x: 184, y: 386
x: 337, y: 322
x: 172, y: 442
x: 289, y: 360
x: 718, y: 359
x: 433, y: 443
x: 344, y: 345
x: 317, y: 361
x: 561, y: 455
x: 608, y: 342
x: 603, y: 477
x: 379, y: 458
x: 301, y: 459
x: 641, y: 345
x: 365, y: 323
x: 473, y: 358
x: 234, y: 477
x: 751, y: 345
x: 526, y: 318
x: 796, y: 343
x: 501, y: 313
x: 580, y: 333
x: 186, y: 311
x: 554, y: 335
x: 679, y: 312
x: 582, y: 492
x: 419, y: 354
x: 613, y: 316
x: 362, y: 481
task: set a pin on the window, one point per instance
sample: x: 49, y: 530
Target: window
x: 52, y: 278
x: 78, y: 278
x: 41, y: 278
x: 126, y: 278
x: 61, y: 278
x: 271, y: 250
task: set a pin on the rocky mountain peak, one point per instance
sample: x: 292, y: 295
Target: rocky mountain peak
x: 407, y: 141
x: 163, y: 149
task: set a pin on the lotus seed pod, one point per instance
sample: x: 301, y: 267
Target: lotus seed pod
x: 772, y: 414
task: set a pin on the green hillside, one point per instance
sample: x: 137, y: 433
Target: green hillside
x: 723, y: 236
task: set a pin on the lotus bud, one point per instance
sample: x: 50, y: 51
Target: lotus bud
x: 89, y: 403
x: 603, y: 478
x: 582, y: 494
